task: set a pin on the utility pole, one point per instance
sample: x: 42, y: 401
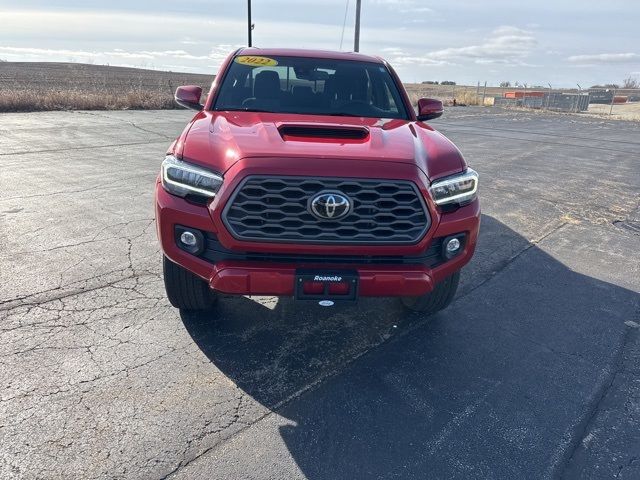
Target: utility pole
x: 356, y: 40
x: 249, y: 26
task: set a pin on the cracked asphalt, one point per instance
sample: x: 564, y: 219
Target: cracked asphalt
x: 532, y: 372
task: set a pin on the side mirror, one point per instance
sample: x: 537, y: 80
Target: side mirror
x: 188, y: 96
x: 429, y: 108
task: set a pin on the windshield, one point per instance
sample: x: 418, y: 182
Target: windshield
x: 314, y: 86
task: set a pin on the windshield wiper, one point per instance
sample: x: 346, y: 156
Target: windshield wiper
x: 342, y: 114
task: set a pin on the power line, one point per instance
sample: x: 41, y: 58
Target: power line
x: 344, y: 24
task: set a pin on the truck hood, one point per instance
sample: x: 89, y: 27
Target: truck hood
x: 219, y: 139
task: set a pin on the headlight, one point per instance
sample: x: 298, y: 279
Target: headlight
x: 182, y: 179
x: 458, y: 189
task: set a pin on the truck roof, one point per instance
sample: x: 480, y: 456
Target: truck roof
x: 299, y: 52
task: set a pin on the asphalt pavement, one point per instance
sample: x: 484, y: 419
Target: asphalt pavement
x: 532, y: 372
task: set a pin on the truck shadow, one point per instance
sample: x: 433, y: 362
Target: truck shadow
x: 469, y: 392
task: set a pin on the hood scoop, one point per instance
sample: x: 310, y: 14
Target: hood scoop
x: 314, y: 133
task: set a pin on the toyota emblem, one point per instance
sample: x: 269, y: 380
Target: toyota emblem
x: 330, y: 205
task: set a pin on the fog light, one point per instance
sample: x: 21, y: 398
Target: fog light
x: 453, y: 246
x: 189, y: 239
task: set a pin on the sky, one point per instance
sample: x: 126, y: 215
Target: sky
x: 558, y: 42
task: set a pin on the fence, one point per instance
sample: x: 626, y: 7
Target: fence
x: 618, y: 102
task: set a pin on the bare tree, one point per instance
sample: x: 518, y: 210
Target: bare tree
x: 505, y: 84
x: 630, y: 82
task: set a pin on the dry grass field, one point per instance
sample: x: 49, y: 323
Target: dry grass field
x: 31, y: 86
x: 468, y: 95
x: 625, y: 111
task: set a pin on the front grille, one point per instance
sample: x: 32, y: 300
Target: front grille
x: 214, y: 252
x: 274, y: 209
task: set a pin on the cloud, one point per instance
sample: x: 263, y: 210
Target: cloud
x: 405, y: 6
x: 400, y: 57
x: 506, y: 45
x: 395, y: 2
x: 218, y: 52
x: 191, y: 41
x: 418, y: 61
x: 604, y: 58
x: 172, y: 53
x: 416, y: 9
x: 32, y: 51
x: 392, y: 51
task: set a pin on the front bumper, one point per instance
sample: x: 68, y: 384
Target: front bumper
x: 279, y: 279
x: 275, y: 278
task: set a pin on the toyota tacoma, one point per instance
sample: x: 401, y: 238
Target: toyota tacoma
x: 309, y: 174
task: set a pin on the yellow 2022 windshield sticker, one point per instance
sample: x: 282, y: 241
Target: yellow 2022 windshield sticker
x: 254, y: 61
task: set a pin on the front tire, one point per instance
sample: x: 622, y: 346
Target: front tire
x: 439, y: 298
x: 185, y: 290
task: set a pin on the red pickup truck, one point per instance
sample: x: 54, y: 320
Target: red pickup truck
x: 308, y: 174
